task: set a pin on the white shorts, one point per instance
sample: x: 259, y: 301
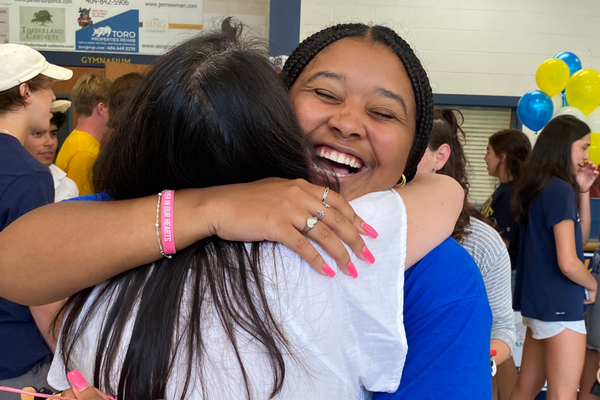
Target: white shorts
x: 544, y: 329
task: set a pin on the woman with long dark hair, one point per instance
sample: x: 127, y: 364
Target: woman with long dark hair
x: 366, y: 101
x: 210, y: 113
x: 505, y: 154
x: 552, y: 205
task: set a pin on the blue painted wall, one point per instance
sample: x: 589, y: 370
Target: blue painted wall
x: 284, y: 29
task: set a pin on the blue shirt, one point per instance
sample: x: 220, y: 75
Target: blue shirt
x: 542, y: 291
x: 499, y: 207
x: 25, y: 184
x: 448, y: 325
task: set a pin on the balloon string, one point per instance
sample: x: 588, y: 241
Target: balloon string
x: 46, y: 396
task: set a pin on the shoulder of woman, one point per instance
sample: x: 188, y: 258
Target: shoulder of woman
x: 485, y: 237
x: 558, y: 187
x: 379, y: 204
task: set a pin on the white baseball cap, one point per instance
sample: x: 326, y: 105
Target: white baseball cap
x: 60, y: 106
x: 19, y: 63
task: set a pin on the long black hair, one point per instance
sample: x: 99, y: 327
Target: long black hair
x: 210, y: 112
x: 447, y: 130
x: 311, y: 46
x: 551, y: 157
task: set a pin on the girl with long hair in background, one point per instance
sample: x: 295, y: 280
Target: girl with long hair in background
x: 552, y: 206
x: 505, y: 154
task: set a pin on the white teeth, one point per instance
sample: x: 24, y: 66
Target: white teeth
x: 330, y: 173
x: 340, y: 158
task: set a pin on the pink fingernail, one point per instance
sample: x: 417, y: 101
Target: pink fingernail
x: 368, y: 255
x: 352, y: 270
x: 370, y: 231
x: 328, y: 270
x: 77, y: 380
x: 111, y: 398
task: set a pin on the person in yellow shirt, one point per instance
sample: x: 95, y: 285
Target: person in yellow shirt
x: 80, y: 150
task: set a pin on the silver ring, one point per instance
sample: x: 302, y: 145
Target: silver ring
x: 320, y: 214
x: 310, y: 223
x: 325, y: 197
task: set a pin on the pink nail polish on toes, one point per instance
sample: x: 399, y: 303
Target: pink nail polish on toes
x: 328, y: 270
x: 370, y: 231
x: 368, y: 255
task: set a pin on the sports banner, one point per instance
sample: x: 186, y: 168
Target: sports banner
x: 128, y: 27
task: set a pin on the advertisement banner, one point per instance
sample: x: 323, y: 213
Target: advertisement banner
x: 116, y: 34
x: 127, y: 27
x: 4, y: 36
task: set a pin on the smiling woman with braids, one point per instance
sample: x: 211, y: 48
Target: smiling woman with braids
x: 364, y: 102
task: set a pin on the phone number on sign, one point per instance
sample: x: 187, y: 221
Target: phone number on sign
x: 109, y: 2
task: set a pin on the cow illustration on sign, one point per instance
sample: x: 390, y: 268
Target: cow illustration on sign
x: 84, y: 19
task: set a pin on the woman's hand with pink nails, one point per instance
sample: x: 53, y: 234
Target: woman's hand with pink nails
x: 277, y: 210
x: 81, y: 390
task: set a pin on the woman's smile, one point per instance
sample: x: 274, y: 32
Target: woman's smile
x: 337, y: 163
x: 356, y: 105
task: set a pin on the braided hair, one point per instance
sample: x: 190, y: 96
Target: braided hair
x: 311, y: 46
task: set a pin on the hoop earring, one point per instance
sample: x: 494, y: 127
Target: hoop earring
x: 402, y: 182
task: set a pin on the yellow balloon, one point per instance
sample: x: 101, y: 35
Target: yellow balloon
x: 594, y: 149
x: 552, y: 76
x: 583, y: 90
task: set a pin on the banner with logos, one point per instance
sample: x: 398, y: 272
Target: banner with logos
x: 121, y: 27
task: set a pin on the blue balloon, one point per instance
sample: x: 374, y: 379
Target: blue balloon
x: 572, y: 61
x: 535, y: 109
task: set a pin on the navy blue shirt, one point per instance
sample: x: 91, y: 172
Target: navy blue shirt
x: 448, y: 325
x: 542, y: 291
x: 25, y: 184
x: 499, y: 207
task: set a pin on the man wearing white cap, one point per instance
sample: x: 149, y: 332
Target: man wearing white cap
x: 26, y: 81
x: 43, y: 145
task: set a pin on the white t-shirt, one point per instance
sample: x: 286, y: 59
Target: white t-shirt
x: 64, y: 187
x: 347, y: 333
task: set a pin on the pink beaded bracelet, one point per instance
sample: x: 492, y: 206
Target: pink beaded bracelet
x: 166, y: 226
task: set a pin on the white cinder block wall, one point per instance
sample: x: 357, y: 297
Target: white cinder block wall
x: 489, y: 47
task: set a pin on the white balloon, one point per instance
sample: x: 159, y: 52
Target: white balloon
x: 593, y: 120
x: 574, y: 111
x: 557, y: 101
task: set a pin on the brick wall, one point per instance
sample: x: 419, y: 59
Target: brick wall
x: 490, y: 47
